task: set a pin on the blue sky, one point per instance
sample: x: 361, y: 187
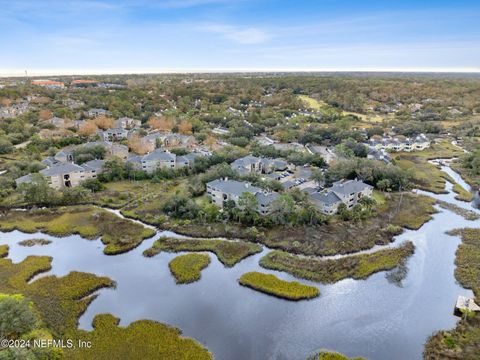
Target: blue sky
x: 95, y: 36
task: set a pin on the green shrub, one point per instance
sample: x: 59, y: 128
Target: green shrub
x: 228, y: 252
x: 16, y: 317
x: 330, y: 271
x: 270, y: 284
x: 187, y: 268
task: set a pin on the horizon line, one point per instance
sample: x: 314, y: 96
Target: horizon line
x: 49, y: 72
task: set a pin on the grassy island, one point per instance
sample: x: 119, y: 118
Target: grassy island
x: 228, y: 252
x: 327, y: 355
x: 466, y: 214
x: 33, y: 242
x: 187, y: 268
x: 144, y: 339
x: 272, y: 285
x: 331, y: 271
x: 462, y: 194
x: 118, y: 235
x: 467, y: 259
x: 463, y: 342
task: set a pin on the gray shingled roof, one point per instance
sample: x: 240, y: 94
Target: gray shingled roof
x: 61, y: 169
x: 349, y: 186
x: 134, y: 159
x: 117, y: 130
x: 160, y: 155
x: 49, y: 161
x: 93, y: 165
x: 24, y: 179
x: 105, y: 144
x: 327, y: 198
x: 288, y: 184
x: 152, y: 136
x: 245, y: 161
x: 188, y: 158
x: 266, y: 198
x: 233, y: 187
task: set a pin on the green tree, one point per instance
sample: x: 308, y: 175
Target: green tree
x: 248, y: 203
x: 114, y: 170
x: 94, y: 185
x: 179, y: 206
x: 282, y: 210
x: 71, y: 196
x: 38, y: 192
x: 5, y: 146
x: 16, y: 316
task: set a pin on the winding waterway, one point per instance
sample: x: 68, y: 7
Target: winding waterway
x: 372, y: 318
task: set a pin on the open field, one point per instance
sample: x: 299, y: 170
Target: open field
x: 188, y: 268
x: 148, y: 207
x: 272, y: 285
x: 316, y: 105
x: 228, y: 252
x: 117, y: 234
x: 331, y: 271
x: 311, y: 102
x: 463, y: 342
x: 120, y: 193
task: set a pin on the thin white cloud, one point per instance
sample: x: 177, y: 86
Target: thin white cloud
x: 241, y: 35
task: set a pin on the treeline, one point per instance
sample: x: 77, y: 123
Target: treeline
x: 382, y: 176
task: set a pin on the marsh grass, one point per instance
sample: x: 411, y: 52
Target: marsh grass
x: 463, y: 342
x: 462, y: 194
x: 4, y: 251
x: 413, y: 211
x: 467, y: 259
x: 394, y: 212
x: 33, y: 242
x: 59, y: 300
x: 331, y: 271
x: 117, y: 234
x: 144, y: 339
x: 466, y: 214
x: 425, y: 175
x: 228, y: 252
x: 328, y: 355
x: 187, y: 268
x: 272, y: 285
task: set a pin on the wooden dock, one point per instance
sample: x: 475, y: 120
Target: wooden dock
x: 464, y: 303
